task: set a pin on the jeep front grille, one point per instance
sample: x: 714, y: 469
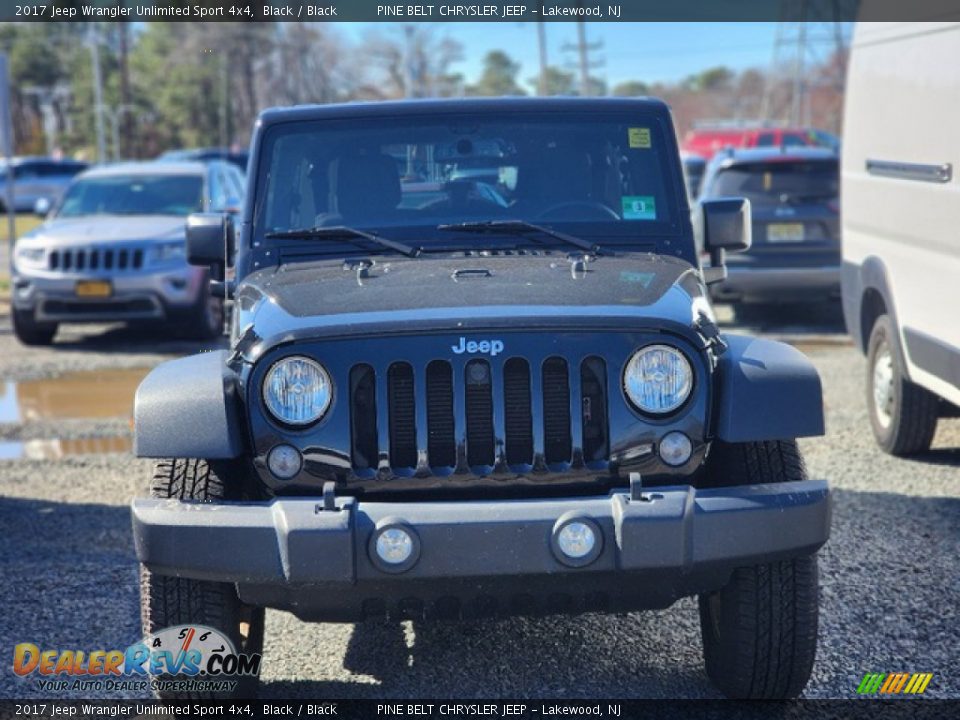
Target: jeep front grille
x: 95, y: 259
x: 480, y: 416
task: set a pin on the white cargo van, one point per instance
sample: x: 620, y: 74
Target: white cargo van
x: 901, y: 224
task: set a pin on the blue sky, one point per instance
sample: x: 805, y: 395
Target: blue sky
x: 631, y: 51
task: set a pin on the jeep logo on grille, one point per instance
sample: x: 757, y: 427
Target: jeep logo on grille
x: 487, y: 347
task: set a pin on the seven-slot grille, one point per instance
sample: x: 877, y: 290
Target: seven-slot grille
x: 106, y: 258
x: 480, y: 416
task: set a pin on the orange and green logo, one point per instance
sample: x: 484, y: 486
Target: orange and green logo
x: 894, y: 683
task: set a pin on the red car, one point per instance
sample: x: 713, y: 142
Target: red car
x: 707, y: 141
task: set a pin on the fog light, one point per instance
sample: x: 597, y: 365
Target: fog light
x: 577, y: 541
x: 284, y: 461
x: 394, y: 548
x: 675, y: 448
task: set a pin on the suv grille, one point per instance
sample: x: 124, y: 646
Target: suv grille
x: 479, y: 417
x: 87, y: 259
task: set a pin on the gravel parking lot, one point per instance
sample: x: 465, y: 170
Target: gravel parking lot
x: 890, y: 573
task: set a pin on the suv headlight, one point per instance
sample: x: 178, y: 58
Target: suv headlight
x: 32, y: 255
x: 297, y: 390
x: 166, y: 251
x: 658, y: 379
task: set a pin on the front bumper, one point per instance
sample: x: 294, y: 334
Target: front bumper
x: 482, y: 557
x: 140, y: 295
x: 778, y: 284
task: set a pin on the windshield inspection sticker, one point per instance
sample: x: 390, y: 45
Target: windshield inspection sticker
x: 638, y: 137
x: 639, y: 207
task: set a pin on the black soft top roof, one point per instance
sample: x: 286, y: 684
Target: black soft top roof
x: 492, y: 106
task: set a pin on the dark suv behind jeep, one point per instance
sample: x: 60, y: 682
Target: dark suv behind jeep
x: 459, y: 403
x: 794, y: 194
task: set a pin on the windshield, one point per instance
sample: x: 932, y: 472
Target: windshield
x: 134, y: 195
x: 779, y: 182
x: 591, y: 175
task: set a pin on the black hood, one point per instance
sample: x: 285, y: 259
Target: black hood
x: 323, y: 288
x: 397, y: 294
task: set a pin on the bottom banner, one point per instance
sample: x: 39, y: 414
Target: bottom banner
x: 520, y: 709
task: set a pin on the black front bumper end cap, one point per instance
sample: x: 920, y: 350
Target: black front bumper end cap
x: 295, y: 541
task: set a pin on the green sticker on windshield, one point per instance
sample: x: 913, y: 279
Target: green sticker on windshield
x: 639, y: 207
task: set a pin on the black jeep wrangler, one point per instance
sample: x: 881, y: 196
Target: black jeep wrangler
x: 474, y: 370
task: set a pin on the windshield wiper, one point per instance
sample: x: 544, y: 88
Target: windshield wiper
x: 342, y: 231
x: 520, y: 227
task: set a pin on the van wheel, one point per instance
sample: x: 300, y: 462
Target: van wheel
x: 760, y: 630
x: 31, y: 332
x: 903, y: 415
x: 166, y: 601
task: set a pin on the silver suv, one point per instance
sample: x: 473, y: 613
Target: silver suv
x: 113, y: 249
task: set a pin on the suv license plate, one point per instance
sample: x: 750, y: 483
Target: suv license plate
x: 785, y: 232
x: 94, y: 289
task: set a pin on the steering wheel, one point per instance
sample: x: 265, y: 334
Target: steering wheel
x: 598, y: 209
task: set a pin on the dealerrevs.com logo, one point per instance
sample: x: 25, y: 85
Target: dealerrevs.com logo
x: 181, y: 658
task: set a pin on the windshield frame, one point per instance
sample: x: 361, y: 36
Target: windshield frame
x: 668, y: 237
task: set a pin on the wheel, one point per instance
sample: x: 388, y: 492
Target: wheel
x: 31, y: 332
x: 903, y: 415
x: 204, y: 321
x: 760, y: 630
x: 168, y: 601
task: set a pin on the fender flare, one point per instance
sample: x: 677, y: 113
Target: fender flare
x: 189, y: 408
x: 766, y: 390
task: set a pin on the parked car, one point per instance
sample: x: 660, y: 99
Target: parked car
x: 113, y: 249
x: 36, y: 179
x: 708, y: 141
x: 237, y: 158
x: 694, y: 167
x: 794, y: 196
x: 425, y: 414
x: 901, y: 251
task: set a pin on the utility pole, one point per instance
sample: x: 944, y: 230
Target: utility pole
x: 94, y: 40
x: 224, y: 99
x: 124, y: 30
x: 542, y: 43
x: 6, y: 139
x: 584, y: 63
x: 808, y: 35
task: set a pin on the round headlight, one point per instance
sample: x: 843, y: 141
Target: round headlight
x: 658, y: 379
x: 297, y: 391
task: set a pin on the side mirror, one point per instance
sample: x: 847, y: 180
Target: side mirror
x: 209, y: 237
x: 727, y: 227
x: 42, y: 207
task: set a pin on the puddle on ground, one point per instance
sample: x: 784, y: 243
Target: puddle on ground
x: 88, y: 395
x: 57, y: 449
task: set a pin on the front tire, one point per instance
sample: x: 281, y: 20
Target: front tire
x: 760, y: 630
x: 903, y: 415
x: 166, y: 601
x: 29, y: 331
